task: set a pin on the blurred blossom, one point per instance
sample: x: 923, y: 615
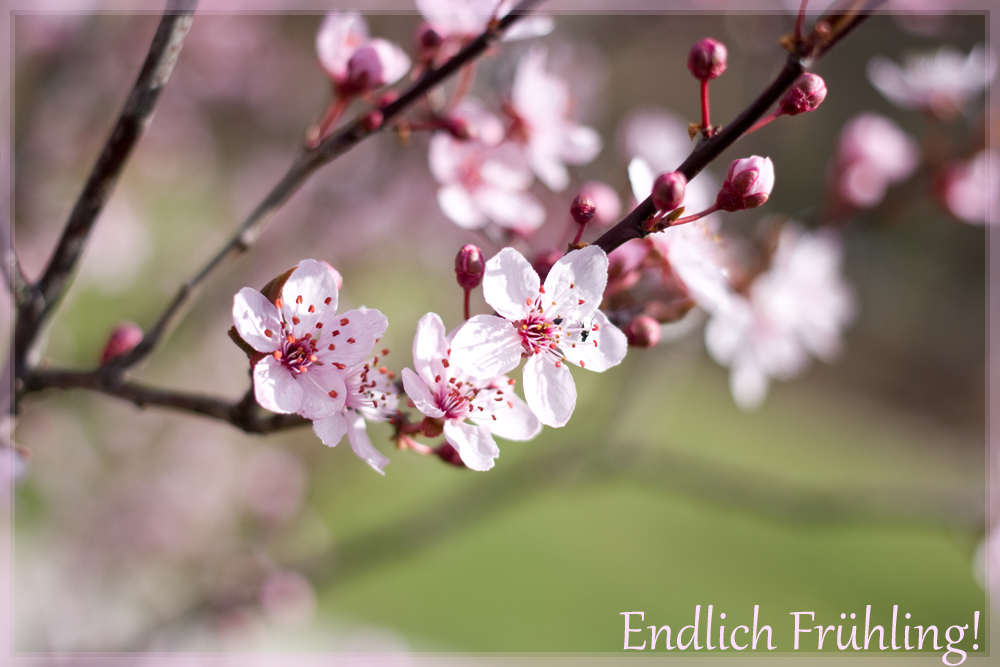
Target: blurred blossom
x: 970, y: 189
x: 872, y: 154
x: 352, y: 60
x: 541, y: 107
x: 272, y: 485
x: 796, y: 309
x: 288, y: 598
x: 606, y: 200
x: 748, y: 184
x: 942, y: 82
x: 48, y: 34
x: 480, y: 182
x: 118, y: 248
x: 459, y: 20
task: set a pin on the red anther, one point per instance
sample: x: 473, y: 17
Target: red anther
x: 339, y: 366
x: 278, y: 302
x: 437, y: 378
x: 268, y: 333
x: 333, y: 393
x: 319, y: 325
x: 277, y: 355
x: 326, y: 301
x: 336, y: 333
x: 383, y: 370
x: 351, y: 340
x: 707, y: 59
x: 582, y: 365
x: 583, y: 209
x: 295, y: 320
x: 291, y: 338
x: 444, y: 362
x: 298, y: 300
x: 344, y: 322
x: 332, y: 347
x: 581, y: 302
x: 511, y: 381
x: 312, y: 308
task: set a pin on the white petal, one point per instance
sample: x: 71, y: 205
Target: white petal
x: 510, y: 285
x: 474, y: 444
x: 580, y: 144
x: 456, y: 203
x: 253, y: 314
x: 528, y: 27
x: 510, y: 208
x: 340, y: 34
x: 330, y: 429
x: 275, y: 388
x: 362, y: 445
x: 317, y: 383
x: 578, y: 276
x: 421, y: 395
x: 430, y: 346
x: 486, y: 346
x: 748, y: 384
x: 363, y: 326
x: 309, y: 286
x: 603, y: 348
x: 641, y: 176
x: 512, y: 423
x: 549, y: 391
x: 548, y: 167
x: 395, y: 63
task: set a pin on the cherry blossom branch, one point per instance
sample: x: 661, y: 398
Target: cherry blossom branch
x: 132, y: 122
x: 827, y: 32
x: 242, y: 414
x: 13, y: 276
x: 310, y: 160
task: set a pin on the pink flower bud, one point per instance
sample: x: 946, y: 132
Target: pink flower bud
x: 609, y: 205
x: 459, y: 128
x: 806, y: 94
x: 748, y: 184
x: 470, y: 265
x: 668, y: 191
x: 544, y: 261
x: 449, y: 454
x: 707, y: 59
x: 643, y: 331
x: 122, y: 340
x: 582, y: 209
x: 428, y: 41
x: 364, y: 70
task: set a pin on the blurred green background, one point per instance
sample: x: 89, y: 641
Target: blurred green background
x: 862, y: 483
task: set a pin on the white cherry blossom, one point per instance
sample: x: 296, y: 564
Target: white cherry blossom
x: 970, y: 189
x: 797, y: 308
x: 873, y: 153
x: 305, y: 344
x: 473, y: 410
x: 351, y: 58
x: 371, y: 396
x: 541, y: 107
x: 553, y: 324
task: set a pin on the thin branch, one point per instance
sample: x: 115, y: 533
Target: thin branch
x: 304, y: 165
x: 831, y: 29
x: 13, y: 276
x: 133, y: 120
x: 242, y: 414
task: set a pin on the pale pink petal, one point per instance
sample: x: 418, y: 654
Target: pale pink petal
x: 705, y: 280
x: 748, y: 384
x: 421, y: 395
x: 505, y: 167
x: 474, y: 444
x: 486, y: 346
x: 330, y: 429
x: 275, y: 388
x: 458, y: 205
x: 536, y: 94
x: 445, y: 154
x: 512, y: 423
x: 510, y: 208
x: 430, y: 346
x: 323, y: 391
x: 510, y: 285
x: 576, y: 283
x: 362, y: 445
x: 340, y: 34
x: 548, y: 167
x: 641, y: 177
x: 725, y: 331
x: 253, y: 314
x: 529, y: 27
x: 604, y: 348
x: 311, y: 287
x: 549, y: 391
x: 395, y: 63
x: 580, y: 144
x: 352, y: 335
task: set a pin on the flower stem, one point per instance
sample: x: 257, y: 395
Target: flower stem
x: 333, y: 113
x: 764, y: 121
x: 704, y: 106
x: 466, y: 302
x: 691, y: 218
x: 799, y: 20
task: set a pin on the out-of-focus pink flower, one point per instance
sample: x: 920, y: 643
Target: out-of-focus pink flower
x: 748, y: 184
x: 942, y: 82
x: 306, y: 344
x: 872, y: 154
x: 970, y: 189
x: 553, y: 324
x: 287, y: 598
x: 442, y: 390
x: 273, y: 485
x: 541, y: 108
x: 796, y: 309
x: 124, y: 337
x: 707, y: 59
x: 607, y: 202
x: 371, y: 396
x: 352, y: 60
x: 460, y: 20
x: 643, y: 331
x: 482, y: 182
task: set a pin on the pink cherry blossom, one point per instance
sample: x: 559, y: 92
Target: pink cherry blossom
x: 473, y: 410
x: 553, y: 325
x: 970, y: 189
x: 306, y: 344
x: 748, y: 184
x: 796, y: 309
x: 460, y: 20
x: 352, y: 60
x: 872, y: 154
x: 942, y: 82
x: 482, y: 182
x: 541, y: 107
x: 371, y: 396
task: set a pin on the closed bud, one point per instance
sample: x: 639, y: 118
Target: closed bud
x: 544, y: 261
x: 364, y: 70
x: 806, y: 94
x: 470, y: 265
x: 460, y: 129
x: 582, y: 209
x: 428, y: 41
x: 122, y: 340
x: 372, y: 120
x: 450, y: 455
x: 707, y: 59
x: 643, y: 331
x: 668, y: 190
x: 748, y: 184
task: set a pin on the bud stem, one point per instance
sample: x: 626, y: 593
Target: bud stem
x: 765, y: 120
x: 466, y: 302
x: 704, y: 106
x: 691, y: 218
x: 330, y: 118
x: 799, y: 20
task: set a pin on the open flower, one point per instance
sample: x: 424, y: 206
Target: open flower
x: 371, y: 396
x: 541, y: 108
x: 305, y: 344
x: 552, y: 324
x: 970, y: 189
x: 472, y: 410
x: 873, y: 153
x: 459, y: 20
x: 354, y: 62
